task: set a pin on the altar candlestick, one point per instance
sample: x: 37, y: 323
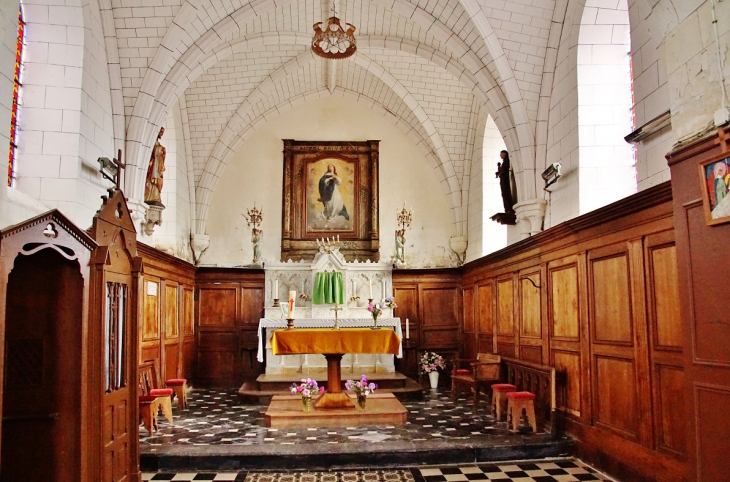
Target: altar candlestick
x: 370, y: 287
x: 408, y: 328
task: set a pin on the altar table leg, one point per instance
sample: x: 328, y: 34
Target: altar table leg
x: 333, y: 397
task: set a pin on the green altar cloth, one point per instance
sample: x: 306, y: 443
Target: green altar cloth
x: 328, y: 288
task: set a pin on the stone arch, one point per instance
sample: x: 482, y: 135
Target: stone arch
x: 432, y: 145
x: 149, y: 109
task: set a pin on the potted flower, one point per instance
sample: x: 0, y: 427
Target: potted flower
x: 362, y: 389
x: 376, y: 309
x: 307, y: 388
x: 354, y: 300
x: 390, y: 303
x: 430, y: 363
x: 305, y: 297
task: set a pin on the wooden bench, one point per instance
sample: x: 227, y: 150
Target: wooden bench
x: 545, y: 382
x: 150, y: 387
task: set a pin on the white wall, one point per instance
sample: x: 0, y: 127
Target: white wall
x: 255, y: 174
x: 494, y: 234
x: 65, y: 122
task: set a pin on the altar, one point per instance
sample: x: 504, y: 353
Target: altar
x: 361, y: 282
x: 313, y: 363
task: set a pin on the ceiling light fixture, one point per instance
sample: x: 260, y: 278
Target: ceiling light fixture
x: 333, y: 42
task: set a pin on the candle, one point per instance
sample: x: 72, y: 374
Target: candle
x: 408, y: 328
x: 354, y: 287
x: 276, y: 289
x: 370, y: 287
x: 303, y: 286
x: 292, y: 295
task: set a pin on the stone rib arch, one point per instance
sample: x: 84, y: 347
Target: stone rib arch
x: 222, y: 151
x: 149, y: 110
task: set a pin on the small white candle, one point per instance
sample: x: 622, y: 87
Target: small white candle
x: 370, y: 287
x: 354, y: 287
x: 276, y: 289
x: 408, y: 328
x: 302, y: 286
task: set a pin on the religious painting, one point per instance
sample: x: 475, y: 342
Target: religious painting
x: 330, y: 195
x: 330, y: 191
x: 715, y: 185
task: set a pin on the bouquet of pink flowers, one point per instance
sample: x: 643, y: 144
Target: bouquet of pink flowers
x: 362, y: 387
x: 431, y: 361
x: 307, y: 388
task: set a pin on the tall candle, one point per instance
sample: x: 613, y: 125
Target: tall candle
x: 292, y: 295
x: 370, y: 288
x: 354, y: 287
x: 276, y: 289
x: 408, y: 328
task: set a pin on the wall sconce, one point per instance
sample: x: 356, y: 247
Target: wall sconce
x: 111, y: 168
x: 551, y: 174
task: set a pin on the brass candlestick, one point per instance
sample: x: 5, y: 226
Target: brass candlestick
x: 276, y: 303
x: 290, y: 323
x: 336, y: 309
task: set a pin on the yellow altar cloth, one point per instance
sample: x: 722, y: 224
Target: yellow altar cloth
x: 326, y: 340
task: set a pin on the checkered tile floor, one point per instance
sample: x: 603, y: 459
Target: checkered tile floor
x: 564, y: 470
x: 216, y: 417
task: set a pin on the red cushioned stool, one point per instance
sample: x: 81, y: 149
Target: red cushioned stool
x: 499, y: 399
x: 179, y: 386
x: 517, y: 403
x: 164, y: 400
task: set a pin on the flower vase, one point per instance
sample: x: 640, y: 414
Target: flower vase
x: 375, y: 323
x: 306, y: 404
x: 360, y: 405
x: 433, y: 378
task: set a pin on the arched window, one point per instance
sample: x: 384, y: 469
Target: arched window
x: 494, y: 235
x: 16, y: 95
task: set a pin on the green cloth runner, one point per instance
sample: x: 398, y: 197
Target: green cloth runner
x: 328, y: 288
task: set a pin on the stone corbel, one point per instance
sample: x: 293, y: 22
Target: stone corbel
x: 530, y: 216
x: 152, y: 219
x: 458, y: 245
x: 199, y: 243
x: 138, y: 212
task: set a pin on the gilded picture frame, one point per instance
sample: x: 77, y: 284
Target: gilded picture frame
x: 714, y: 177
x: 330, y: 190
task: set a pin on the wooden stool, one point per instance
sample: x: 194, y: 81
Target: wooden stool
x: 148, y: 412
x: 164, y: 400
x: 179, y: 386
x: 516, y: 403
x: 499, y: 399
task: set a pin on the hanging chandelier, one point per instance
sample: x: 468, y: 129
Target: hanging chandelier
x: 333, y: 42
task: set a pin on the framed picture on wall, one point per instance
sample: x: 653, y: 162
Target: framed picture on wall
x: 715, y: 186
x: 330, y: 191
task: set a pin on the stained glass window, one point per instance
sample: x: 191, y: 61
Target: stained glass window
x: 16, y: 91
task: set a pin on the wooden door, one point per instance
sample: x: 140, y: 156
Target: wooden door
x: 252, y: 308
x: 406, y: 296
x: 218, y: 310
x: 151, y: 330
x: 41, y: 388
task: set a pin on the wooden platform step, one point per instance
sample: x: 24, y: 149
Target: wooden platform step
x: 381, y: 408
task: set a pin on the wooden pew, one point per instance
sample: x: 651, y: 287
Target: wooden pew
x: 548, y: 385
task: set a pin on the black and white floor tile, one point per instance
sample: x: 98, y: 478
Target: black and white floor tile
x: 216, y: 417
x: 563, y: 470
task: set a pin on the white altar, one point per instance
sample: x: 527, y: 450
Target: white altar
x: 356, y: 363
x: 362, y: 281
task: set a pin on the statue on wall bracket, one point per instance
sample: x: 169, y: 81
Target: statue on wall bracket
x: 330, y: 189
x: 506, y: 183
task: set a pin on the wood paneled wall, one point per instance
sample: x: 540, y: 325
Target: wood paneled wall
x: 702, y: 298
x: 596, y: 297
x: 431, y: 300
x: 229, y: 304
x: 167, y: 331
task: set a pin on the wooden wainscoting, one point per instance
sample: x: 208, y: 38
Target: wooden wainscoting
x: 230, y: 303
x: 167, y: 329
x: 431, y: 300
x: 596, y: 298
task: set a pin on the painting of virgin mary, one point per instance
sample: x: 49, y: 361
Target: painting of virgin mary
x: 330, y: 195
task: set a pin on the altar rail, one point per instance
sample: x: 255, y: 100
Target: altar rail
x: 545, y: 382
